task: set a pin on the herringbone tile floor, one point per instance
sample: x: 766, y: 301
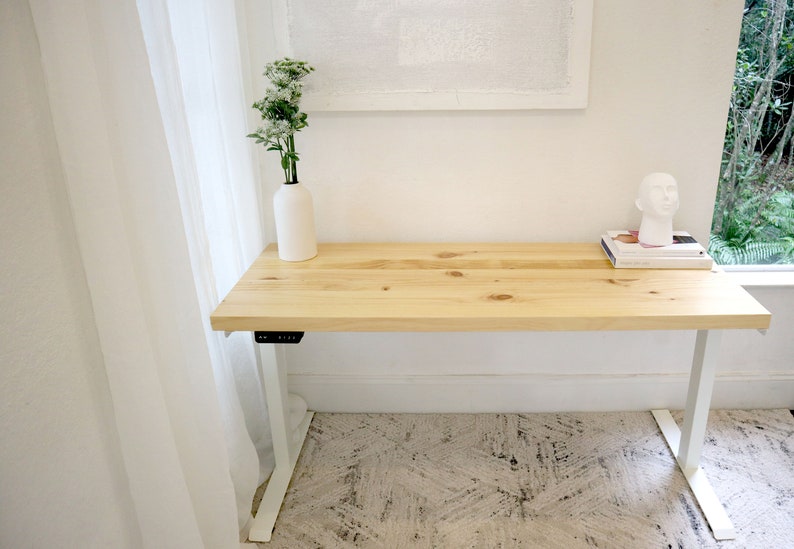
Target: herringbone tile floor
x: 535, y: 480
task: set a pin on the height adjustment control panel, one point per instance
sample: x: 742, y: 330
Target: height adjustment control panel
x: 278, y: 337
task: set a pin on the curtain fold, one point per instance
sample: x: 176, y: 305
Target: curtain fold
x: 166, y: 213
x: 194, y: 53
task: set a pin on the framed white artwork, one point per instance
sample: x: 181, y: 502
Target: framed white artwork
x: 438, y: 54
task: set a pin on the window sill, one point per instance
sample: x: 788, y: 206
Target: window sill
x: 761, y: 275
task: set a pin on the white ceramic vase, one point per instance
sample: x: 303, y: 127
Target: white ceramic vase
x: 294, y: 214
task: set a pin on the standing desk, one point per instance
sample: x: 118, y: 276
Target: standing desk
x: 460, y: 287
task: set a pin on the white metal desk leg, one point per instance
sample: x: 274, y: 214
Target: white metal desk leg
x: 288, y: 436
x: 698, y: 400
x: 687, y: 443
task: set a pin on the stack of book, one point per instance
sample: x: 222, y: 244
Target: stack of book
x: 625, y: 252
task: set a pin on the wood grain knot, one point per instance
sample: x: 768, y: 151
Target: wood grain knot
x: 621, y: 281
x: 455, y: 273
x: 447, y: 255
x: 386, y: 288
x: 500, y: 297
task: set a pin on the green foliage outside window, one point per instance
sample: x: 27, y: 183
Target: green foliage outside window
x: 754, y: 211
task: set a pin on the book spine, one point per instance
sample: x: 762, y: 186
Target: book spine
x: 663, y: 263
x: 657, y: 252
x: 608, y: 251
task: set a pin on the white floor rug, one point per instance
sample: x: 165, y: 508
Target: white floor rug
x: 533, y: 480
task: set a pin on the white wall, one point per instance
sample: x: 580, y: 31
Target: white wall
x: 659, y: 86
x: 660, y: 80
x: 61, y: 476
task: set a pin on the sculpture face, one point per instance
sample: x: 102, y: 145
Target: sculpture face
x: 658, y: 195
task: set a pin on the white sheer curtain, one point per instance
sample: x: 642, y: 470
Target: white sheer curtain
x: 149, y: 112
x: 198, y: 76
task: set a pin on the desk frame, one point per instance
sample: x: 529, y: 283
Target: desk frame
x: 288, y: 430
x: 694, y: 301
x: 687, y: 444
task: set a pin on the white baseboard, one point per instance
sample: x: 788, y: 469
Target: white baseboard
x: 534, y: 392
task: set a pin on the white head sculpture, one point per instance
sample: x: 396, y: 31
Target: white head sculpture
x: 658, y: 202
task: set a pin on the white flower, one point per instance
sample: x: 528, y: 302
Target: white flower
x: 279, y: 130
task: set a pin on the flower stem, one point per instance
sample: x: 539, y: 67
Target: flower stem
x: 283, y: 154
x: 293, y: 164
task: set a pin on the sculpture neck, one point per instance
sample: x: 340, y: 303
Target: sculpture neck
x: 656, y: 231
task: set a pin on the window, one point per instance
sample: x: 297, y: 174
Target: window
x: 754, y: 211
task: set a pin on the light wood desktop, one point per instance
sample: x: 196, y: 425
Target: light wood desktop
x: 384, y: 287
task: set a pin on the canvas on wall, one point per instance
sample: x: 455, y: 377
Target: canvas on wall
x: 438, y: 54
